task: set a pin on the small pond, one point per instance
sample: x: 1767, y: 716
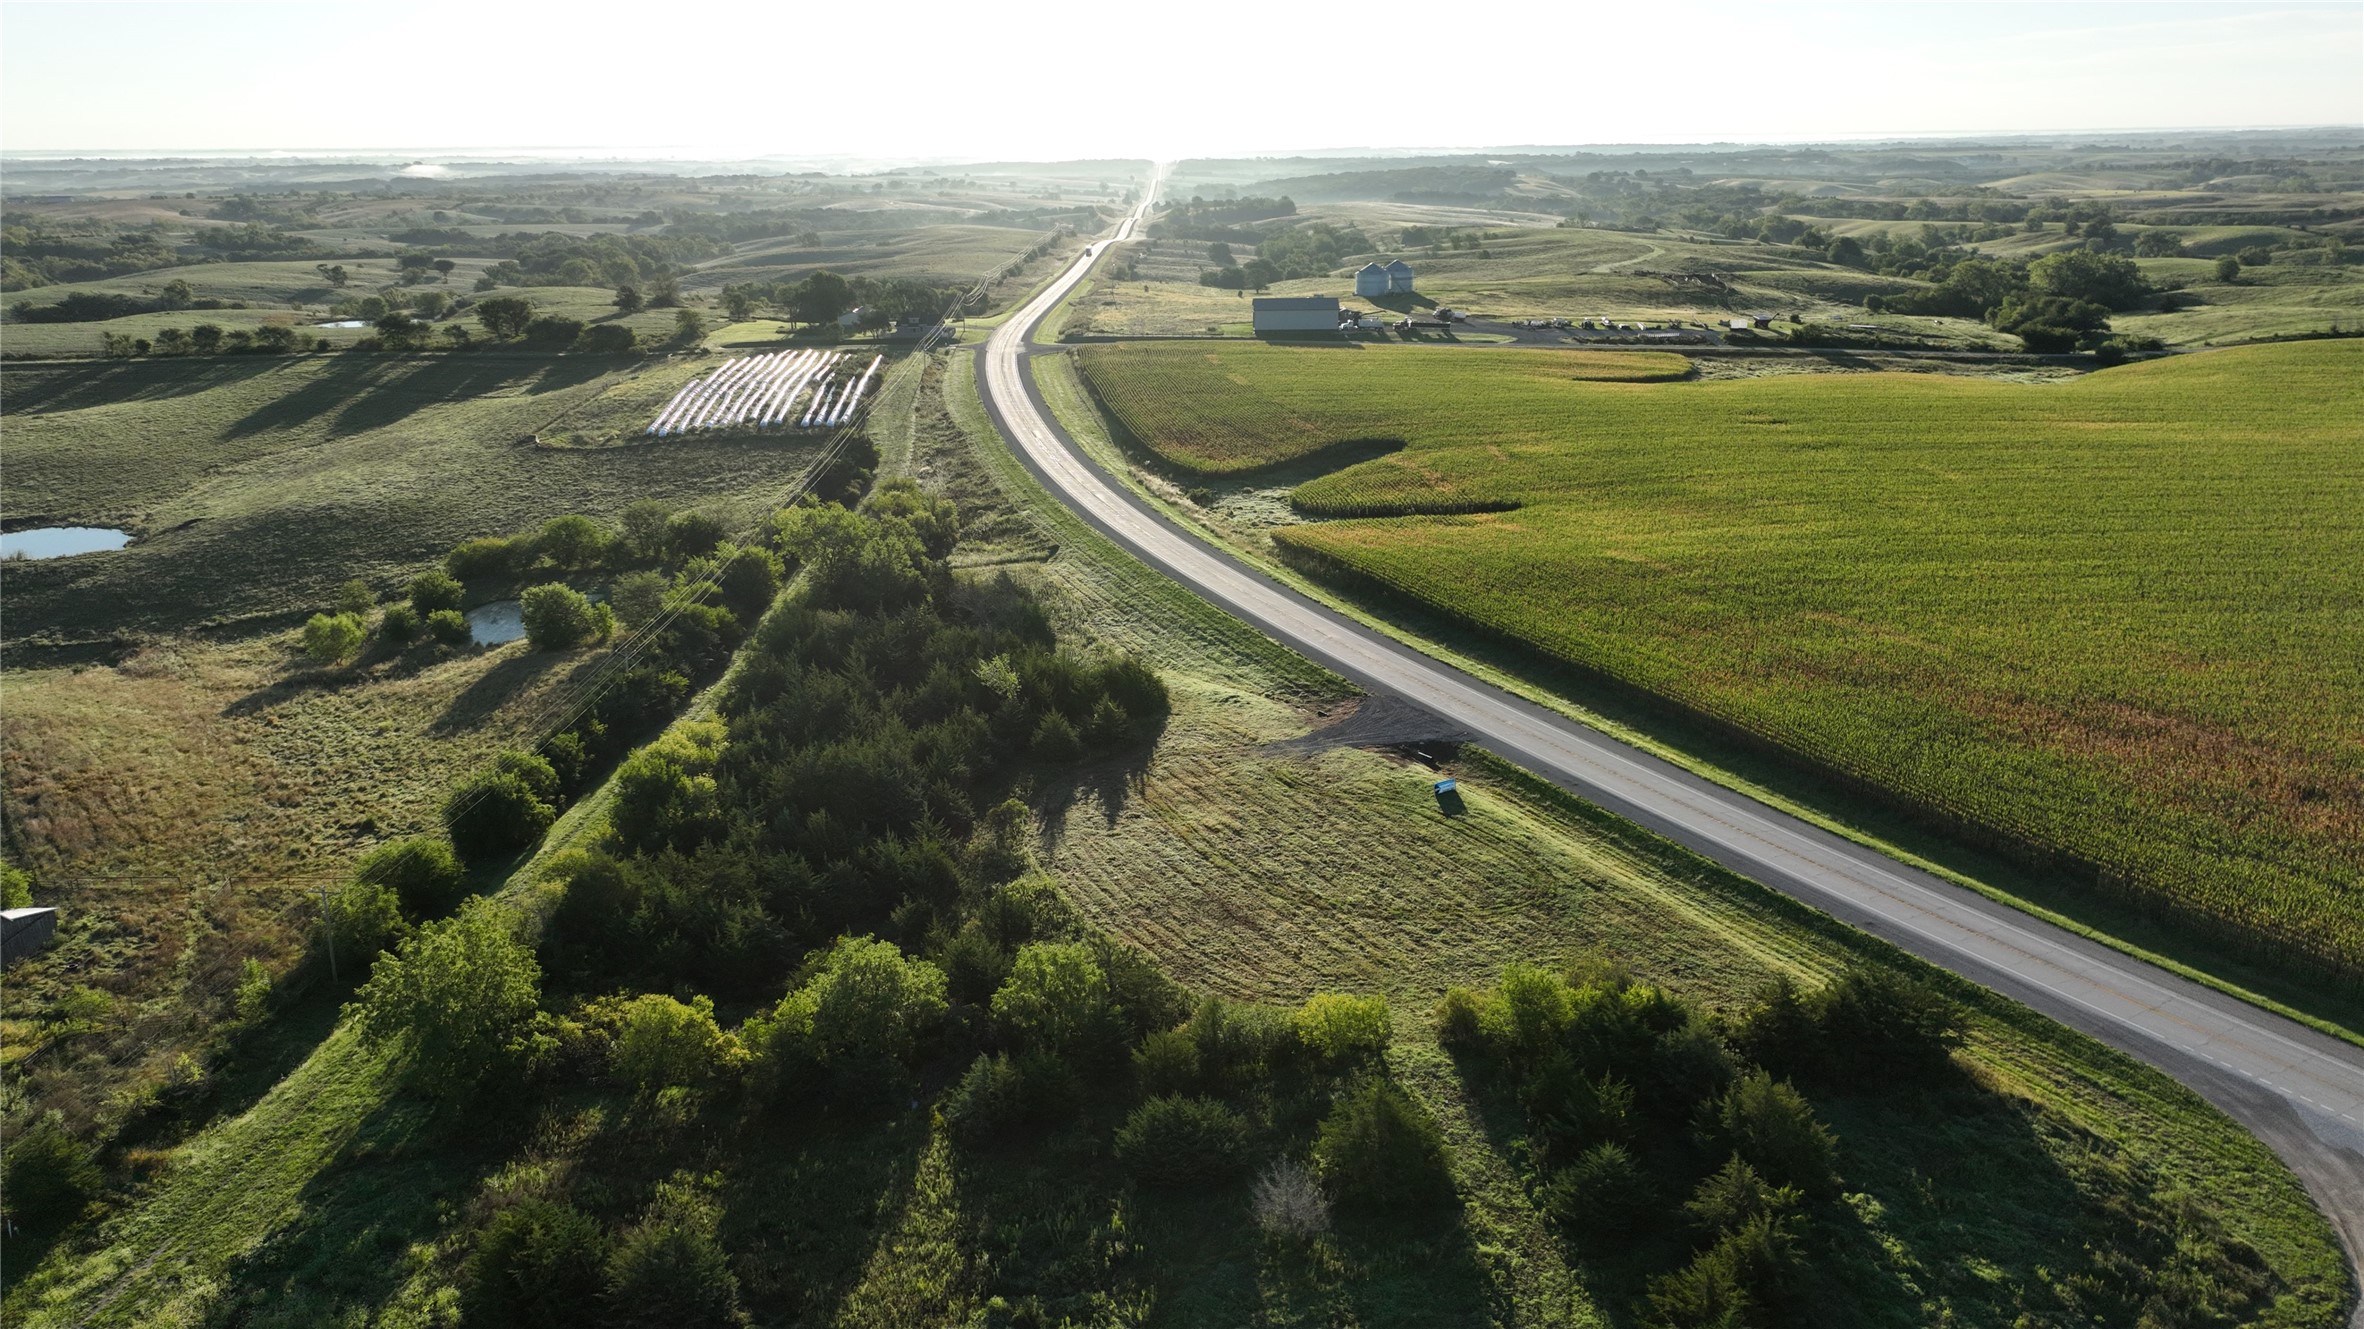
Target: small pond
x: 343, y: 323
x: 60, y: 541
x: 495, y: 623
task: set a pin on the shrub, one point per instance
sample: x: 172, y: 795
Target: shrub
x: 355, y: 598
x: 537, y: 772
x: 329, y: 638
x: 460, y: 994
x: 495, y: 814
x: 1770, y: 1125
x: 400, y: 625
x: 606, y: 339
x: 1055, y: 740
x: 668, y: 1271
x: 49, y: 1177
x: 1603, y: 1192
x: 662, y: 1042
x: 449, y: 627
x: 638, y: 597
x: 421, y: 871
x: 1379, y: 1148
x: 1344, y: 1030
x: 484, y: 556
x: 537, y: 1265
x: 1530, y: 1012
x: 558, y: 616
x: 1460, y: 1019
x: 1288, y: 1202
x: 16, y: 887
x: 551, y: 330
x: 365, y: 920
x: 1055, y: 999
x: 1175, y: 1142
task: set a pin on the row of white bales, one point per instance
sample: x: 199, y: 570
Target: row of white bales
x: 763, y: 390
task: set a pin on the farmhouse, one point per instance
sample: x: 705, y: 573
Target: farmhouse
x: 1295, y: 313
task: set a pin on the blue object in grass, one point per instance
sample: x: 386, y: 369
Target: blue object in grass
x: 1447, y: 786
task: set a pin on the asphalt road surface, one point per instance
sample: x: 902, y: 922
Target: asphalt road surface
x: 2300, y: 1090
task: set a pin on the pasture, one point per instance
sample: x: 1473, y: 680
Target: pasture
x: 255, y: 485
x: 2112, y: 618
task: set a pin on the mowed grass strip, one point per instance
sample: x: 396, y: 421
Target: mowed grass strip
x: 2119, y: 617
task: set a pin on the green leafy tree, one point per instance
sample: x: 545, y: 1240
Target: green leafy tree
x: 449, y: 627
x: 661, y: 1042
x: 461, y: 996
x: 2086, y: 276
x: 1056, y: 998
x: 820, y: 297
x: 356, y: 598
x: 497, y: 813
x: 861, y: 1016
x: 573, y: 542
x: 689, y: 327
x: 505, y: 316
x: 2228, y: 269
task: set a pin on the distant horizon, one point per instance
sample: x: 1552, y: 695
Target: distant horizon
x: 627, y: 153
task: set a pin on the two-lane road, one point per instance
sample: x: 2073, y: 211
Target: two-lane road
x: 2301, y: 1091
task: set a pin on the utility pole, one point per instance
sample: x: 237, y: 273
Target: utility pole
x: 328, y: 926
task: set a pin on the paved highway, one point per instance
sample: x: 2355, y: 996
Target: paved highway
x: 2300, y: 1090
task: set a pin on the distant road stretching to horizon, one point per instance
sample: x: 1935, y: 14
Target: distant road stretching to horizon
x: 2301, y: 1091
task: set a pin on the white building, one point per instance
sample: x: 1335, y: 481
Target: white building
x: 1399, y: 277
x: 1295, y: 313
x: 1370, y: 281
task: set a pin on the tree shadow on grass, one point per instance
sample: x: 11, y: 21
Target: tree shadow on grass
x: 1109, y: 783
x: 347, y: 1249
x: 499, y: 685
x: 42, y: 389
x: 806, y: 1206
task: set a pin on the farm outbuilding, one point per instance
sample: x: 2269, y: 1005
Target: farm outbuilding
x: 1399, y: 277
x: 1295, y: 313
x: 1370, y: 280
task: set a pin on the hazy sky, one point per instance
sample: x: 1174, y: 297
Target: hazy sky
x: 978, y: 79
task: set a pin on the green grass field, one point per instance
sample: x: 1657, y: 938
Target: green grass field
x: 332, y: 1196
x: 2109, y: 617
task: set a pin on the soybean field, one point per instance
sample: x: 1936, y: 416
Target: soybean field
x: 2118, y: 619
